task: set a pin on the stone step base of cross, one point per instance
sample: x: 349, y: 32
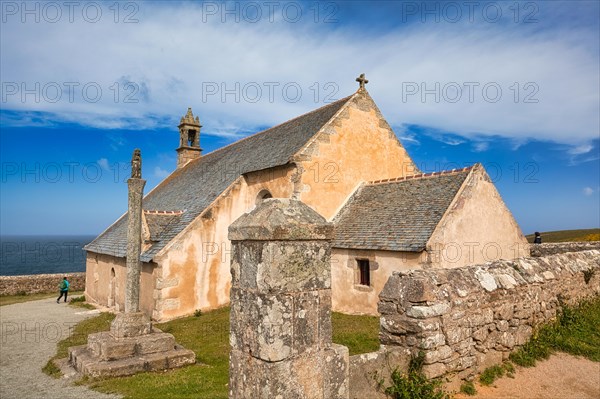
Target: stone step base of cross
x: 108, y: 355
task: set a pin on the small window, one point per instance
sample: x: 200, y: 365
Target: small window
x: 364, y: 272
x: 263, y: 195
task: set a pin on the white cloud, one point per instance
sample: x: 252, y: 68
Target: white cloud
x: 174, y: 58
x: 103, y: 163
x: 581, y: 149
x: 480, y: 146
x: 588, y: 191
x: 160, y: 172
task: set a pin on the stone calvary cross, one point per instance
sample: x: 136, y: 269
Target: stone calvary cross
x: 132, y: 345
x: 133, y: 322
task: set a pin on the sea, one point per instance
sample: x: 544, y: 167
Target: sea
x: 42, y: 254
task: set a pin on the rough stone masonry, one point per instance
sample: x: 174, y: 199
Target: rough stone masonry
x: 469, y: 318
x: 281, y: 306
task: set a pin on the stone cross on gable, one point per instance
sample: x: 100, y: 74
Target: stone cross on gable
x: 362, y: 81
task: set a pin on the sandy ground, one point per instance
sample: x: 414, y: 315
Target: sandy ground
x: 28, y: 336
x: 562, y: 376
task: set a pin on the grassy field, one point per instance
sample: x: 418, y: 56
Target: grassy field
x: 11, y: 299
x: 568, y: 235
x: 208, y: 337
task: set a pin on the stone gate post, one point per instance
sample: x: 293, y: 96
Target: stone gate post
x: 281, y: 306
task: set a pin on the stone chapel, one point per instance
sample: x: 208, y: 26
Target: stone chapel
x: 344, y: 161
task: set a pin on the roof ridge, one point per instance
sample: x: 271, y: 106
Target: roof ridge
x: 267, y: 130
x: 159, y: 212
x: 423, y: 175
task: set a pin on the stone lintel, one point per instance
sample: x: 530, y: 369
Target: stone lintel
x: 280, y: 219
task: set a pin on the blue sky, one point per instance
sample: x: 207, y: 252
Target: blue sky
x: 513, y: 85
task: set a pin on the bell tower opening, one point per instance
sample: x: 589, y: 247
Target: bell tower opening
x: 189, y: 139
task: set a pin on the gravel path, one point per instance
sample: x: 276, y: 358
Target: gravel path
x: 29, y: 333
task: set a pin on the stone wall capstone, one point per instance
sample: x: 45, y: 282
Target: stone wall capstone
x: 469, y: 318
x: 39, y: 283
x: 554, y: 248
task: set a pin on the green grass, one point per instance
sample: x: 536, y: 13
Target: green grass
x: 414, y: 384
x: 79, y: 302
x: 208, y: 336
x: 576, y: 331
x: 79, y: 337
x: 359, y: 333
x: 468, y: 388
x: 491, y: 374
x: 12, y: 299
x: 568, y: 235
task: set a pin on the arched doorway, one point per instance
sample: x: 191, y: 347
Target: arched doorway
x: 112, y: 289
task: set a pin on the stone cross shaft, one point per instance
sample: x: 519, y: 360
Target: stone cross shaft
x: 134, y: 235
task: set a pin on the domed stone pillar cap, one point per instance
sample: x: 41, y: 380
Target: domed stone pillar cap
x: 281, y: 219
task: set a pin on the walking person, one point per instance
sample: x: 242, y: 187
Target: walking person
x: 538, y: 238
x: 64, y: 289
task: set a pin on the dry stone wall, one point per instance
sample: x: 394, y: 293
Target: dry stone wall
x: 469, y: 318
x: 39, y: 283
x: 554, y: 248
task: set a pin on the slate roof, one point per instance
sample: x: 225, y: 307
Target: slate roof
x: 159, y: 222
x: 399, y: 214
x: 194, y: 187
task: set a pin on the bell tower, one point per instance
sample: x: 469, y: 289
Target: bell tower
x: 189, y: 139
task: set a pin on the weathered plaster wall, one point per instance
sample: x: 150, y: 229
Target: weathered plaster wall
x: 562, y: 247
x: 196, y: 264
x: 469, y: 318
x: 348, y: 296
x: 477, y: 228
x: 358, y: 146
x: 39, y: 283
x: 105, y: 290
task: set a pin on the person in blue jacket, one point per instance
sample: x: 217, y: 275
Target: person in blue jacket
x: 64, y: 289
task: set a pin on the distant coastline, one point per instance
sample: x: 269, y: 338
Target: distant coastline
x: 42, y: 254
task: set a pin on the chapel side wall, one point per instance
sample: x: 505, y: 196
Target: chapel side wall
x: 98, y: 279
x: 477, y: 228
x: 358, y: 146
x: 98, y: 282
x: 196, y: 267
x: 348, y: 296
x: 148, y: 278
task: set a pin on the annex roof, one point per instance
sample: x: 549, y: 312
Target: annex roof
x: 397, y: 214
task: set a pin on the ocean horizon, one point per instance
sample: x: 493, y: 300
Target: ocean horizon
x: 42, y: 254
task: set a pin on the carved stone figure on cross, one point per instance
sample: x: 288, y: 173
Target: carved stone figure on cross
x: 136, y: 164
